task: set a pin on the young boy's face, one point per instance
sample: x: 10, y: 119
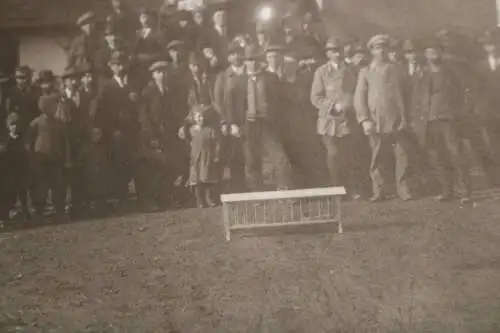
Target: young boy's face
x: 12, y: 126
x: 194, y: 67
x: 433, y: 55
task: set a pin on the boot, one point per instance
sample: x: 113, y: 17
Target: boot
x: 211, y: 195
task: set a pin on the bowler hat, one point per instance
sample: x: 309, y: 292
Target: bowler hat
x: 378, y: 40
x: 118, y: 57
x: 252, y: 52
x: 85, y: 18
x: 175, y: 44
x: 158, y: 65
x: 333, y: 44
x: 46, y: 75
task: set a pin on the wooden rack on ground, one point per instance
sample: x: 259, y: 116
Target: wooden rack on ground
x: 282, y: 209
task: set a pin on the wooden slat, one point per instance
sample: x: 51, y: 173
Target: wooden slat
x: 275, y: 195
x: 278, y: 225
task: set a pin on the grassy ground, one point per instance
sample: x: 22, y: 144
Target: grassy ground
x: 399, y: 267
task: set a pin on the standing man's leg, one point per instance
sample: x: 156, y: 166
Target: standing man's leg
x: 273, y: 147
x: 401, y: 151
x: 455, y: 153
x: 377, y: 166
x: 253, y: 154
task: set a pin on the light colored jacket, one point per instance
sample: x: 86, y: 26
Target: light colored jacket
x: 330, y: 87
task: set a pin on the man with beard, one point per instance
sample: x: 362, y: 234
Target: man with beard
x: 436, y: 111
x: 380, y: 109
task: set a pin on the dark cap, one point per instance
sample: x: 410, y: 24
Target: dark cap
x: 275, y: 48
x: 46, y: 75
x: 175, y: 44
x: 333, y: 44
x: 234, y: 48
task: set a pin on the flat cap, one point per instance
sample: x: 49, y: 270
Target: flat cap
x: 158, y: 65
x: 85, y: 18
x: 378, y: 40
x: 333, y: 44
x: 175, y: 44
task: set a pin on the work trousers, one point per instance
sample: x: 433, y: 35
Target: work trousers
x: 447, y: 157
x: 381, y: 145
x: 262, y: 138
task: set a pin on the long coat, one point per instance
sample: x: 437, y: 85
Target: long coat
x: 331, y: 86
x: 117, y: 114
x: 205, y: 154
x: 449, y: 95
x: 158, y: 121
x: 379, y: 97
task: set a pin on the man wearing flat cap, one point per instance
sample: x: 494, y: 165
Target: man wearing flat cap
x: 486, y: 137
x: 117, y: 115
x: 332, y: 94
x: 84, y: 49
x: 380, y: 109
x: 113, y: 43
x: 159, y: 145
x: 437, y: 109
x: 23, y: 98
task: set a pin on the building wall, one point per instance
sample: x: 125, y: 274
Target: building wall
x: 44, y: 52
x: 406, y: 17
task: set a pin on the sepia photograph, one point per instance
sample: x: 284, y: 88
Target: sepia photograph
x: 250, y: 166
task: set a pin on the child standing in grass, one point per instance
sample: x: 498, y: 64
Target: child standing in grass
x: 49, y: 153
x: 203, y: 133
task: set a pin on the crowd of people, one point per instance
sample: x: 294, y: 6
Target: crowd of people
x: 176, y: 106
